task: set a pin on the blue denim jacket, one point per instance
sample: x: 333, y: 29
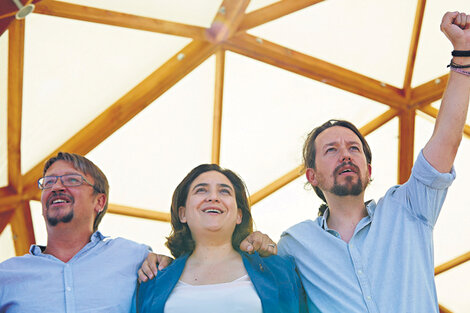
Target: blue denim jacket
x: 275, y: 280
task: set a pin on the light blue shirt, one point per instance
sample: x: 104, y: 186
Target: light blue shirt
x: 388, y: 265
x: 100, y: 278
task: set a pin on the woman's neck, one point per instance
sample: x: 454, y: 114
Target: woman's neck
x: 213, y: 264
x: 213, y: 253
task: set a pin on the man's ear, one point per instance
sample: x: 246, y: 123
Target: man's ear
x: 369, y: 167
x: 311, y: 176
x: 100, y: 202
x: 182, y: 214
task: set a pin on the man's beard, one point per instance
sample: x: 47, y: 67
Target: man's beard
x: 348, y: 189
x: 53, y: 221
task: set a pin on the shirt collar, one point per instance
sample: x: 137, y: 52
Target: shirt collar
x: 323, y: 219
x: 38, y: 250
x: 324, y: 225
x: 370, y: 207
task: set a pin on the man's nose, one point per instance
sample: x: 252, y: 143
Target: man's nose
x: 345, y: 156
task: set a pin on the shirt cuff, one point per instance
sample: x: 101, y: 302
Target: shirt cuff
x: 428, y: 175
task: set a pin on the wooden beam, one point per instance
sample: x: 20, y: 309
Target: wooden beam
x: 94, y: 15
x: 413, y: 47
x: 128, y: 105
x: 429, y: 110
x: 432, y: 111
x: 6, y: 191
x: 5, y: 217
x: 299, y: 170
x: 305, y: 65
x: 10, y: 14
x: 378, y: 122
x: 227, y: 20
x: 22, y: 228
x: 15, y: 101
x: 274, y: 11
x: 452, y: 263
x: 140, y: 213
x: 9, y: 199
x: 443, y: 309
x: 218, y: 103
x: 20, y: 218
x: 276, y: 185
x: 11, y: 8
x: 406, y: 144
x: 9, y: 202
x: 428, y: 92
x: 32, y: 194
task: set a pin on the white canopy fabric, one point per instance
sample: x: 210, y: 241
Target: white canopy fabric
x: 74, y: 70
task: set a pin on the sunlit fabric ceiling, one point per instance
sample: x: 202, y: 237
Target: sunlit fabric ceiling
x: 141, y: 87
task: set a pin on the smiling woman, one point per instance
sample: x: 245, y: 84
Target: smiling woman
x: 200, y: 185
x: 210, y: 215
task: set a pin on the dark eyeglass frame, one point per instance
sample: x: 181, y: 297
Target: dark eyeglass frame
x: 64, y: 183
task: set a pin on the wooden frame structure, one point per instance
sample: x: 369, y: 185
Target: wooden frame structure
x: 403, y: 101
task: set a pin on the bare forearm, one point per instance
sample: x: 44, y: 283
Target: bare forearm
x: 441, y: 149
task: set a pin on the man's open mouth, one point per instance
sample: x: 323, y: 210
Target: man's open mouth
x: 346, y: 168
x: 59, y: 199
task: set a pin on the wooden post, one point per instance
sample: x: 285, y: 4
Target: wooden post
x: 406, y: 144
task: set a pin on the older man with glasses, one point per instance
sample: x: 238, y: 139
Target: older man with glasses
x: 79, y: 270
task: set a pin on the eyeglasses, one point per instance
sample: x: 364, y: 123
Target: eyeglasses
x: 68, y: 180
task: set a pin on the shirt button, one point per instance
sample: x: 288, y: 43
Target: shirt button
x: 369, y: 297
x: 351, y: 245
x: 68, y: 289
x: 359, y: 272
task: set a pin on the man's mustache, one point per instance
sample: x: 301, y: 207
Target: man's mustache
x: 339, y: 167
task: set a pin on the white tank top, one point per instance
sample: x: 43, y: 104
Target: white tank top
x: 238, y: 296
